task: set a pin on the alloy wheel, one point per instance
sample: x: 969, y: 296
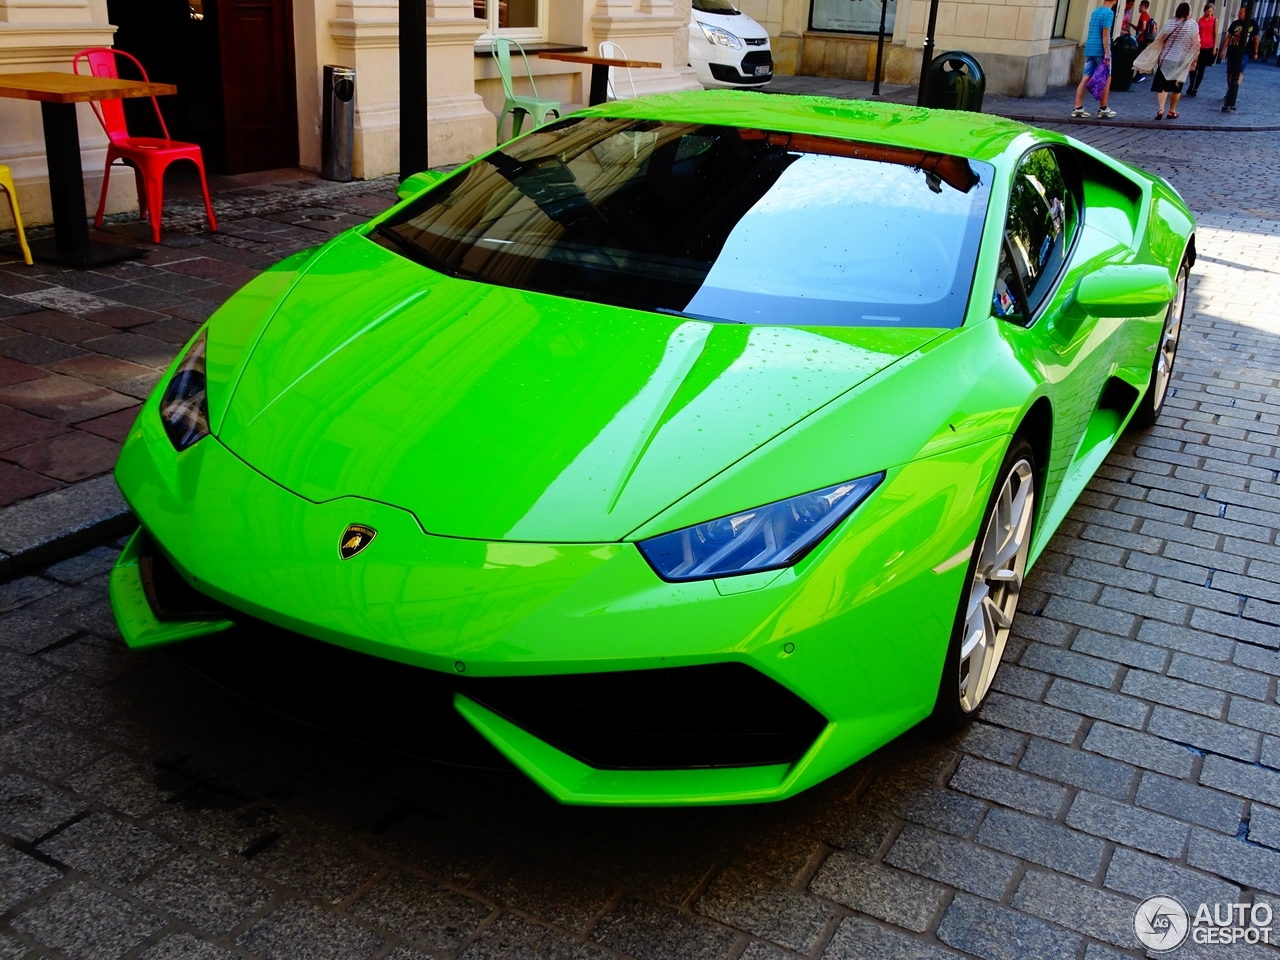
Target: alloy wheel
x: 996, y: 584
x: 1167, y: 349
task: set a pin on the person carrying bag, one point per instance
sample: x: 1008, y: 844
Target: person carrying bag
x: 1170, y: 58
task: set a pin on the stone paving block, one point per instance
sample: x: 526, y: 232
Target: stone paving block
x: 205, y: 894
x: 1098, y: 618
x: 1100, y: 704
x: 125, y: 784
x: 1204, y: 734
x: 300, y: 931
x: 1257, y: 658
x: 29, y: 809
x: 1262, y: 634
x: 107, y: 849
x: 859, y: 939
x: 1127, y: 825
x: 1128, y: 652
x: 431, y: 916
x: 42, y: 747
x: 1069, y: 663
x: 18, y: 675
x: 943, y: 810
x: 1002, y: 785
x: 86, y: 923
x: 902, y: 899
x: 1142, y: 876
x: 1242, y: 862
x: 1139, y: 749
x: 1174, y: 693
x: 315, y: 865
x: 1042, y: 841
x: 22, y: 877
x: 1242, y: 779
x: 1264, y: 826
x: 184, y: 946
x: 217, y: 822
x: 1067, y: 765
x: 1069, y: 903
x: 561, y: 897
x: 1202, y: 643
x: 1186, y: 801
x: 1019, y: 682
x: 952, y: 861
x: 514, y: 938
x: 994, y: 932
x: 1220, y: 675
x: 650, y: 931
x: 1255, y: 716
x: 1033, y: 718
x: 991, y: 743
x: 765, y: 908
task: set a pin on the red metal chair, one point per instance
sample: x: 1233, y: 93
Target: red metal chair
x: 149, y: 156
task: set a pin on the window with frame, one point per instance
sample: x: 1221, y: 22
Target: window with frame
x: 518, y: 19
x: 1038, y: 232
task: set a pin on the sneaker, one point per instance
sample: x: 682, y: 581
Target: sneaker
x: 1191, y: 93
x: 1080, y: 112
x: 1231, y: 109
x: 1106, y: 113
x: 1139, y: 78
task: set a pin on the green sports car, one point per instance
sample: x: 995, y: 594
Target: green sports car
x: 695, y: 446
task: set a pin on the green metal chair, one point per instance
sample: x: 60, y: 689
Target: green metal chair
x: 535, y: 106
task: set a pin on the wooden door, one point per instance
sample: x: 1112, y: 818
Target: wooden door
x: 260, y: 105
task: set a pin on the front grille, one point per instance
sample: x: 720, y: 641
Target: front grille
x: 718, y: 715
x: 751, y: 42
x: 756, y: 58
x: 730, y: 74
x: 171, y: 597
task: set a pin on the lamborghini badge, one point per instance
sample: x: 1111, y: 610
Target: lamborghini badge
x: 354, y: 539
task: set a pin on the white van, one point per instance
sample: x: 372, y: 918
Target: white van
x: 726, y: 47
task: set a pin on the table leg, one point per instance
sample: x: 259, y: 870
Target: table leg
x: 599, y: 84
x: 70, y: 244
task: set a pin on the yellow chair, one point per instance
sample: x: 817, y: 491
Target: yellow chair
x: 6, y: 183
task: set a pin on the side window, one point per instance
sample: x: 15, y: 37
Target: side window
x: 1037, y: 235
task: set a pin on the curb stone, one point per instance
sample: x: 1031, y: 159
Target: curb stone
x: 54, y: 526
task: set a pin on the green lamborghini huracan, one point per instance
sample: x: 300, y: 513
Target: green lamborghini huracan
x: 695, y: 445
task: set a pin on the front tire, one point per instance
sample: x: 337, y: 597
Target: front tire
x: 1166, y: 352
x: 991, y: 589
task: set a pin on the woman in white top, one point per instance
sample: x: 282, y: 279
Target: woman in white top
x: 1171, y: 58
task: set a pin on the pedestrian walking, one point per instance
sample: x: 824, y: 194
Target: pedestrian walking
x: 1208, y: 25
x: 1097, y: 56
x: 1239, y: 46
x: 1169, y: 59
x: 1144, y: 31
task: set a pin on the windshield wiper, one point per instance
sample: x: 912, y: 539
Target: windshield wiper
x: 424, y: 257
x: 694, y: 316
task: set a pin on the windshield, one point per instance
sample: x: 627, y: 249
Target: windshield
x: 723, y: 7
x: 712, y: 222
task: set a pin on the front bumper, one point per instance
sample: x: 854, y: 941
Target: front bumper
x: 856, y: 631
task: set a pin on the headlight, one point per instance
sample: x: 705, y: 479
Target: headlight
x: 766, y: 538
x: 720, y: 37
x: 184, y: 408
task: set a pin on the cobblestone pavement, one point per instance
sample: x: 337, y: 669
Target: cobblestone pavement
x: 80, y: 349
x: 1132, y: 748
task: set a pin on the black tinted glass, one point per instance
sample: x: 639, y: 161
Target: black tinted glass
x: 1038, y: 231
x: 715, y: 222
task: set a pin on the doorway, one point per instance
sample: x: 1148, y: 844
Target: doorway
x: 232, y: 61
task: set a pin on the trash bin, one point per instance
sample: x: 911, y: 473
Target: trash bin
x: 1124, y: 50
x: 337, y: 139
x: 955, y: 81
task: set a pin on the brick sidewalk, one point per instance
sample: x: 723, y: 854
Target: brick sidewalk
x: 80, y: 350
x: 1132, y: 748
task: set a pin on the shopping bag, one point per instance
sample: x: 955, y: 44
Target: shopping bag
x: 1098, y: 81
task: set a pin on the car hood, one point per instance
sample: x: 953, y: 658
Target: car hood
x: 497, y: 414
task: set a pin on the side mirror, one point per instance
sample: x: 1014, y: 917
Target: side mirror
x: 417, y: 182
x: 1126, y: 290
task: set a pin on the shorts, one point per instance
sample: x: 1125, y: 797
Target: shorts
x: 1091, y: 64
x: 1162, y: 84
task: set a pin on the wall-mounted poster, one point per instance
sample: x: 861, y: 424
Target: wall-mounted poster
x: 851, y: 16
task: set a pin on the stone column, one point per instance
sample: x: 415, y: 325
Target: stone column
x: 366, y: 33
x: 40, y: 35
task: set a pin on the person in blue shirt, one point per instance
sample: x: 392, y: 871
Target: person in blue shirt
x: 1097, y: 51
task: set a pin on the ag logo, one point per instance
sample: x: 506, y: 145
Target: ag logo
x: 1161, y: 924
x: 354, y: 539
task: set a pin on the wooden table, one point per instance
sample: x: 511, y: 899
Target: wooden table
x: 58, y: 94
x: 599, y: 71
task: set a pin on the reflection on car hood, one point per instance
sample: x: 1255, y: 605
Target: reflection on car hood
x: 494, y: 413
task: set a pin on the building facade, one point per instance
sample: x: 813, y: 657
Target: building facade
x: 249, y: 74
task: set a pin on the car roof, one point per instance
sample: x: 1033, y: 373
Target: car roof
x: 976, y: 136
